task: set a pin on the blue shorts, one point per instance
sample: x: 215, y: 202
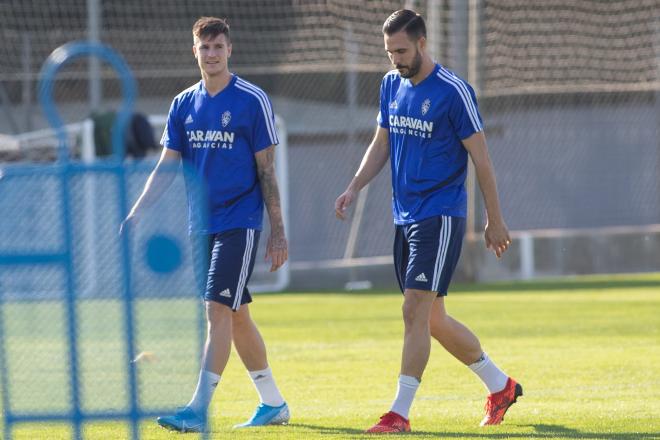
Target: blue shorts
x: 426, y: 253
x: 224, y: 263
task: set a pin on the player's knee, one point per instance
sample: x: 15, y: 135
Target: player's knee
x: 407, y: 313
x: 217, y: 314
x: 438, y: 311
x: 439, y: 321
x: 240, y: 320
x: 411, y: 314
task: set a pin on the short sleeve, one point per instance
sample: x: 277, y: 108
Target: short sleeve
x: 264, y: 131
x: 383, y: 115
x: 463, y: 111
x: 173, y: 135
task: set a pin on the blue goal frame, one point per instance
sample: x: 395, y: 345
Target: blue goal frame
x: 65, y: 169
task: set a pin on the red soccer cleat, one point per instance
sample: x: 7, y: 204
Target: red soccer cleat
x: 499, y: 402
x: 390, y: 423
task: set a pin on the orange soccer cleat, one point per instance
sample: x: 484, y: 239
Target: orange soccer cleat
x: 390, y: 422
x: 499, y: 402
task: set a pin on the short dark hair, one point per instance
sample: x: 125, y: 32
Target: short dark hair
x: 210, y: 27
x: 405, y: 20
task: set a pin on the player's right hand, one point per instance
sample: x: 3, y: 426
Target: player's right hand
x: 343, y: 202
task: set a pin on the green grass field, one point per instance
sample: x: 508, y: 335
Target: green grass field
x: 587, y: 352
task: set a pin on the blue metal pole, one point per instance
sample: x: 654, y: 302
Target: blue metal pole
x: 61, y: 56
x: 4, y: 383
x: 53, y: 63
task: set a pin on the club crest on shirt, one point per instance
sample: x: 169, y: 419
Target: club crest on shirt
x: 426, y: 105
x: 226, y: 117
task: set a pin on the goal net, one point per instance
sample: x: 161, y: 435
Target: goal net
x: 568, y: 91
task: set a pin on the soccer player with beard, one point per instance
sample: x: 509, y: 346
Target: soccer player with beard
x: 427, y: 126
x: 224, y: 128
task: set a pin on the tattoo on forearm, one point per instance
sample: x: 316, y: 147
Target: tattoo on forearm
x: 270, y: 191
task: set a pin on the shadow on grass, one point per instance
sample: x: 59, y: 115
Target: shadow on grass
x: 329, y: 430
x: 551, y: 431
x: 541, y: 431
x: 557, y: 285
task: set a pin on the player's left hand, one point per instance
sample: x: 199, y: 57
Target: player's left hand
x: 277, y: 250
x: 497, y: 238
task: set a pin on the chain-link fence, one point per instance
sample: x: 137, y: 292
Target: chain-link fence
x: 568, y: 91
x: 93, y: 325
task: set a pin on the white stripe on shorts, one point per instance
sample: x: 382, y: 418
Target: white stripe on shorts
x: 443, y: 245
x: 245, y: 269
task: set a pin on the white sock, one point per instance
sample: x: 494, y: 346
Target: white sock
x: 265, y: 384
x: 405, y: 394
x: 490, y: 374
x: 206, y: 385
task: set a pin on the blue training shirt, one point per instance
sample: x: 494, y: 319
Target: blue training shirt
x: 426, y: 124
x: 218, y: 136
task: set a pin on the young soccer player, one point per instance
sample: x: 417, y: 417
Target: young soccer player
x: 427, y: 125
x: 224, y: 128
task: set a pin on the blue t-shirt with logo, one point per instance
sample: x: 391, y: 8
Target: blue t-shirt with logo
x: 426, y: 124
x: 218, y: 137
